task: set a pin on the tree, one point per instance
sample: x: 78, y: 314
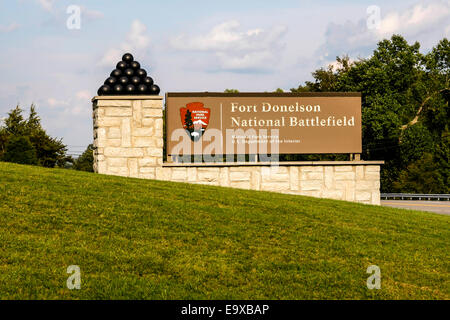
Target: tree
x: 326, y: 79
x: 405, y: 112
x: 422, y: 176
x: 231, y: 91
x: 14, y: 126
x: 50, y: 152
x: 20, y: 150
x: 188, y: 120
x: 86, y: 161
x: 14, y: 123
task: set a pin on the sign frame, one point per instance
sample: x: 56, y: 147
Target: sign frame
x: 206, y: 94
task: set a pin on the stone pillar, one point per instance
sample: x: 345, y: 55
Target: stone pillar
x: 128, y: 135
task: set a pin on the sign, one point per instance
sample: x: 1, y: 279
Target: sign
x: 251, y: 123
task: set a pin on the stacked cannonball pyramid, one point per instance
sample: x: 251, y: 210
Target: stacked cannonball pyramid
x: 128, y: 79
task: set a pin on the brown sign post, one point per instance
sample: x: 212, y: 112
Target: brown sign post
x: 300, y: 123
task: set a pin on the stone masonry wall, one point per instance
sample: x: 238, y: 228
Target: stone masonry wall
x: 128, y: 136
x: 358, y: 183
x: 128, y: 141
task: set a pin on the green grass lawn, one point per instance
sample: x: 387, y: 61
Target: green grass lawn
x: 142, y: 239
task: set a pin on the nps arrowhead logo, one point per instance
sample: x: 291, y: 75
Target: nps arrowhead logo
x: 195, y: 119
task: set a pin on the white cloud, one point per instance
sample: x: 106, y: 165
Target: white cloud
x: 137, y: 41
x: 59, y: 14
x: 222, y: 37
x: 83, y: 95
x: 46, y: 4
x: 137, y: 37
x: 417, y: 19
x: 53, y: 103
x: 423, y: 22
x: 91, y: 14
x: 9, y: 28
x: 335, y: 65
x: 78, y: 104
x: 78, y: 109
x: 232, y: 49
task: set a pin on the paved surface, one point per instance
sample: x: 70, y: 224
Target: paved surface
x: 442, y: 207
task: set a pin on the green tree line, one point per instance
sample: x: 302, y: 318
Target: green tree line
x: 23, y: 140
x: 405, y: 113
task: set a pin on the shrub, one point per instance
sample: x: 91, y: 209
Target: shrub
x: 20, y: 150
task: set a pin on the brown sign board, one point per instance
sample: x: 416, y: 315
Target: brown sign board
x: 299, y: 123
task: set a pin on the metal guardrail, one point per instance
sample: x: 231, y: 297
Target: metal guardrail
x: 413, y: 196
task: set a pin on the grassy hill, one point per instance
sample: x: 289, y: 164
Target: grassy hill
x: 140, y: 239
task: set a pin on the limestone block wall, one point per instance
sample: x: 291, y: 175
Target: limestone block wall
x: 128, y: 135
x: 128, y: 141
x: 350, y: 182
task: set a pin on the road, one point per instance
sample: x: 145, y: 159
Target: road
x: 442, y: 207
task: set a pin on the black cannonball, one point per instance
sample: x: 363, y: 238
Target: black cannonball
x: 141, y: 73
x: 129, y: 72
x: 147, y: 81
x: 130, y: 88
x: 121, y: 65
x: 127, y: 57
x: 135, y: 65
x: 111, y: 81
x: 116, y: 73
x: 154, y: 90
x: 119, y: 89
x: 104, y: 90
x: 135, y: 80
x: 142, y: 89
x: 123, y: 80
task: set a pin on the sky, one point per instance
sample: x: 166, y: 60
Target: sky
x: 249, y: 45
